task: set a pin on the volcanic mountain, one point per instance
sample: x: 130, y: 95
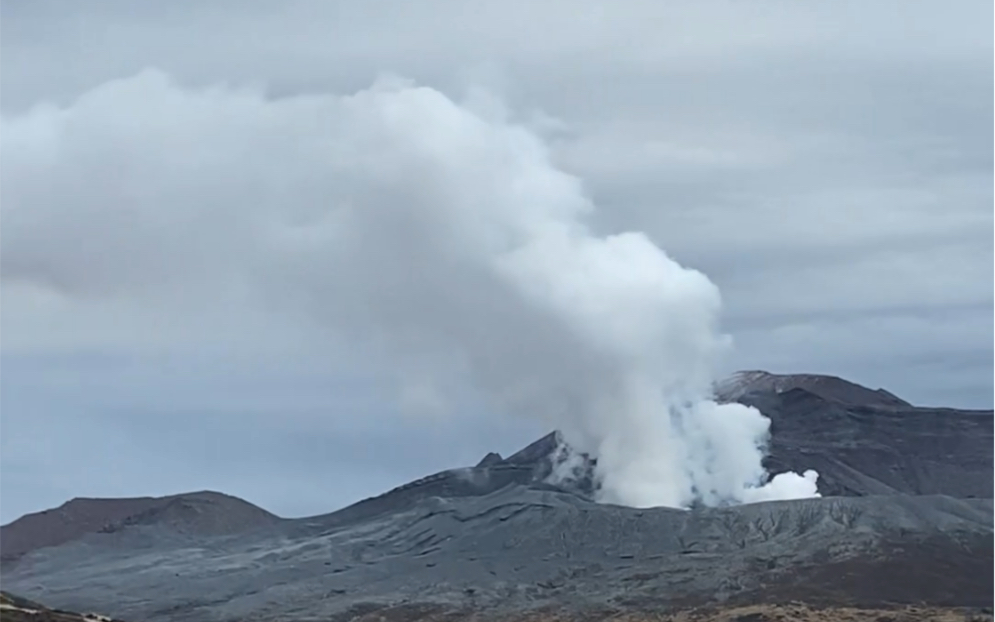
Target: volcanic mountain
x: 906, y: 517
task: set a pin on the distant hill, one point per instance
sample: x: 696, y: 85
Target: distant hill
x: 203, y: 513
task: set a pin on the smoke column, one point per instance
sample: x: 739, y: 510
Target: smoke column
x: 436, y: 236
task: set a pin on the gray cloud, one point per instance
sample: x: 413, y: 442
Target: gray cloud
x: 435, y: 236
x: 827, y: 166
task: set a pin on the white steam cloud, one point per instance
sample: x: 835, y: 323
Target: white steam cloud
x: 437, y: 234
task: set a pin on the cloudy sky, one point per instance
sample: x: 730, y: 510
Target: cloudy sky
x: 828, y: 165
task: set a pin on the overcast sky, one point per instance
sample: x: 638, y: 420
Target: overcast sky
x: 827, y: 164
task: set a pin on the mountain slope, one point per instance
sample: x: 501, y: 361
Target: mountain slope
x: 868, y: 450
x: 524, y: 549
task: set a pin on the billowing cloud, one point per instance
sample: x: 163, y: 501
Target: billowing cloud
x: 438, y: 237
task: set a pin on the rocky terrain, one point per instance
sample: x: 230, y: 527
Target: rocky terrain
x: 905, y: 525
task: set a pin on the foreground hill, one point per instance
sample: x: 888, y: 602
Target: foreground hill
x: 909, y: 523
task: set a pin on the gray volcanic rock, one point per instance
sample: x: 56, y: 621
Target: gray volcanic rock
x: 499, y: 539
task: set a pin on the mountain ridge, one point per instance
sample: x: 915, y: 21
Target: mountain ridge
x: 794, y: 402
x: 832, y: 388
x: 906, y: 519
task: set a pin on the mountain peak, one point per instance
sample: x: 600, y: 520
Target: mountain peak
x: 830, y: 388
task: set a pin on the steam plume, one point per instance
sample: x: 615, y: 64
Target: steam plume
x: 441, y: 238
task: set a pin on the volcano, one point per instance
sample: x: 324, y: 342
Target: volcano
x: 905, y: 519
